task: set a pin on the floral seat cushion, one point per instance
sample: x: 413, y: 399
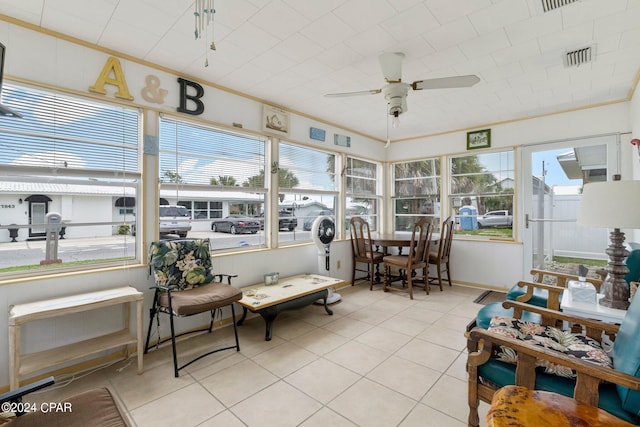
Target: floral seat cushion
x: 566, y: 342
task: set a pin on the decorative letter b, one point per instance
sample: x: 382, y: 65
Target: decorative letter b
x: 194, y: 98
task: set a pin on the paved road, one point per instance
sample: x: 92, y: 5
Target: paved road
x: 22, y: 252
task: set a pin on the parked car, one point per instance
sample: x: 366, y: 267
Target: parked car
x: 286, y: 220
x: 495, y: 219
x: 174, y: 219
x: 308, y: 222
x: 235, y: 224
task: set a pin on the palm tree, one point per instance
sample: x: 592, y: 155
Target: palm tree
x: 225, y: 181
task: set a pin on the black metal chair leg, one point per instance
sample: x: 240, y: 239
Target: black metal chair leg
x: 235, y: 328
x: 173, y: 346
x: 153, y: 311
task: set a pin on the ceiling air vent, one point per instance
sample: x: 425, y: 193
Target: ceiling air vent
x: 549, y: 5
x: 577, y: 57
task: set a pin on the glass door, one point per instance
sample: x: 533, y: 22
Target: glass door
x: 38, y: 210
x: 553, y: 177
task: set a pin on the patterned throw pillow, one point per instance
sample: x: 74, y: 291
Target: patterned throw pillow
x: 566, y: 342
x: 181, y: 264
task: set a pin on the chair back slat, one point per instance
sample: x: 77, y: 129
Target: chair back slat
x: 420, y: 242
x: 360, y: 235
x: 446, y: 238
x: 181, y: 264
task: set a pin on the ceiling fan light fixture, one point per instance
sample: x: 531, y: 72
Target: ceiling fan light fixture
x: 395, y: 122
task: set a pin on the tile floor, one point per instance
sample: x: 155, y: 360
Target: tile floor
x: 380, y: 360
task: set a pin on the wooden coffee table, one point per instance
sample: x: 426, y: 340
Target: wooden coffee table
x: 514, y: 406
x: 290, y: 293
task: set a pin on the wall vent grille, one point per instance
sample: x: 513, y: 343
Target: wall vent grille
x: 577, y: 57
x: 549, y: 5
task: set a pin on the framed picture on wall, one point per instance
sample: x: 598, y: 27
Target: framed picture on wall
x: 479, y: 139
x: 275, y: 120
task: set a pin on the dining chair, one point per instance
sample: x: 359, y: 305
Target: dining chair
x: 363, y: 251
x: 185, y: 285
x: 440, y: 256
x: 416, y: 259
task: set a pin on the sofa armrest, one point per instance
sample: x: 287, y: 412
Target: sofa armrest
x: 589, y: 375
x: 562, y: 278
x: 554, y: 292
x: 594, y: 328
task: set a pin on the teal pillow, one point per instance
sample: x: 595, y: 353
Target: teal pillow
x: 633, y: 264
x: 626, y: 355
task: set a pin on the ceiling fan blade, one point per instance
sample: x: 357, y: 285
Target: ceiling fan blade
x: 446, y: 82
x: 362, y: 92
x: 391, y: 65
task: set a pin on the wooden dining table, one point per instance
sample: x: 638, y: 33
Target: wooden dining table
x: 398, y: 239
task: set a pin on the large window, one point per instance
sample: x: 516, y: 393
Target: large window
x: 416, y: 189
x: 69, y: 156
x: 218, y: 176
x: 363, y: 191
x: 481, y: 194
x: 307, y: 188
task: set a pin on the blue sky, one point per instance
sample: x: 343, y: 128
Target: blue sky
x: 555, y: 175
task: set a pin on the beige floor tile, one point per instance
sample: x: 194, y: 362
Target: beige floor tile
x: 394, y: 303
x: 459, y: 368
x: 428, y: 354
x: 321, y: 317
x: 451, y: 321
x: 320, y: 341
x: 404, y: 376
x: 170, y: 409
x: 199, y: 372
x: 276, y: 406
x: 238, y: 382
x: 359, y: 358
x: 405, y: 325
x: 291, y: 327
x: 421, y: 313
x: 449, y: 396
x: 326, y: 417
x: 137, y: 390
x: 425, y: 416
x: 367, y: 403
x: 223, y: 419
x: 368, y: 315
x: 322, y: 379
x: 445, y: 337
x: 384, y: 339
x: 285, y: 359
x: 348, y: 327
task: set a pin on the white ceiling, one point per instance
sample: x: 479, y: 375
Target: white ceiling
x: 292, y: 52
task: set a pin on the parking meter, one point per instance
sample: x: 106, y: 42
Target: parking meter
x: 53, y: 225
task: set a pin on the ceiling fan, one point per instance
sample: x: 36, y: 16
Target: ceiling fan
x: 395, y: 91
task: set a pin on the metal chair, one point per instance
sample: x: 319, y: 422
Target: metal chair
x: 440, y: 256
x: 185, y: 286
x: 416, y: 259
x: 362, y: 250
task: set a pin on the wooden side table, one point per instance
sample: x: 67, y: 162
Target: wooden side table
x: 516, y: 406
x: 21, y: 364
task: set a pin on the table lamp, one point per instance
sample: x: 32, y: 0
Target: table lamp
x: 612, y: 204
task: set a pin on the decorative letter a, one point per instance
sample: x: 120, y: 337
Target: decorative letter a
x: 118, y: 80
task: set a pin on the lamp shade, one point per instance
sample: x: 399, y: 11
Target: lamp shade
x: 611, y: 204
